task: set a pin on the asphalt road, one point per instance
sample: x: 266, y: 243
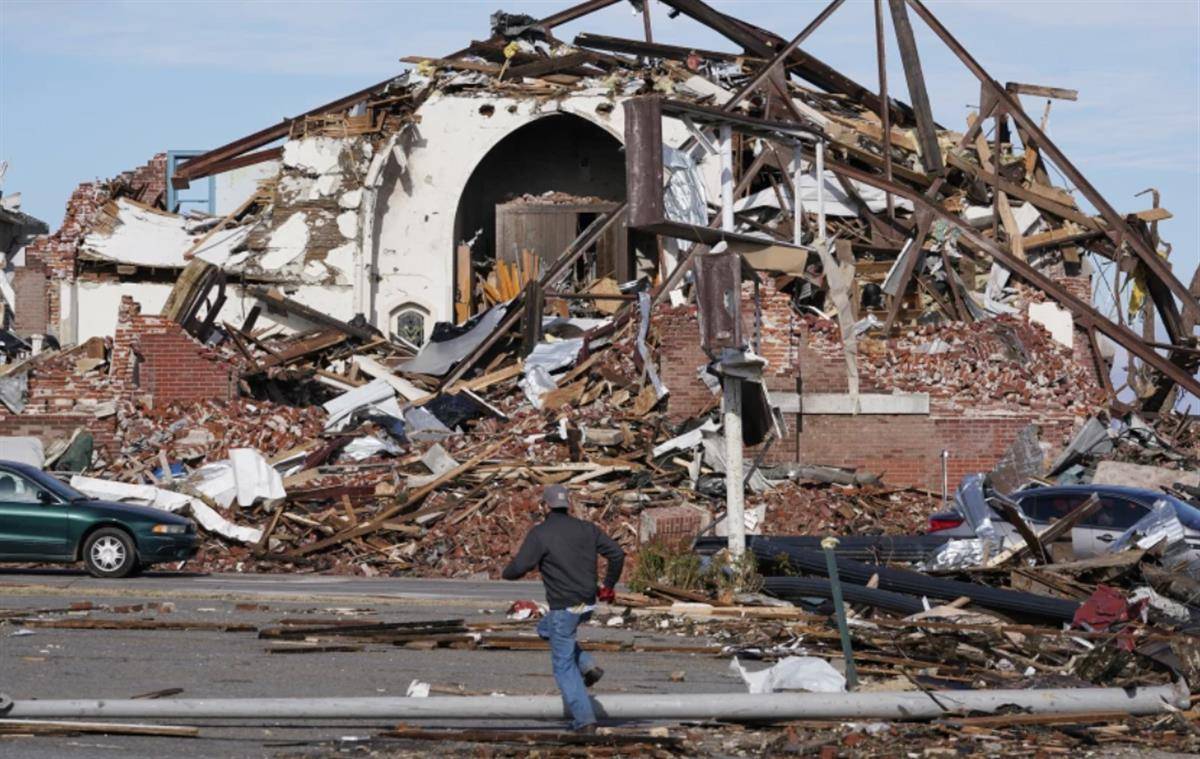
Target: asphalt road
x: 53, y: 663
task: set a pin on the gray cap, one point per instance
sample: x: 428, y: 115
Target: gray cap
x: 556, y: 497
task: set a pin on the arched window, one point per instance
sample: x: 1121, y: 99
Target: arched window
x: 411, y: 322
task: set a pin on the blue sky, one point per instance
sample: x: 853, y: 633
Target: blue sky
x: 88, y: 89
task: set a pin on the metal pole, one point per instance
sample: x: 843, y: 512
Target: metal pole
x: 726, y: 147
x: 735, y: 513
x: 945, y: 477
x: 735, y: 508
x: 839, y: 609
x: 902, y: 705
x: 819, y: 171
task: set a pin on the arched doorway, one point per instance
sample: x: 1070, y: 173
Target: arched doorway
x: 504, y: 214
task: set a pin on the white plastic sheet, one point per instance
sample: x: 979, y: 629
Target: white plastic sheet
x: 245, y: 477
x: 367, y: 446
x: 793, y: 673
x: 166, y: 500
x: 547, y: 357
x: 377, y: 393
x: 684, y: 199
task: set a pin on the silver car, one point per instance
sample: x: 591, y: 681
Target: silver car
x: 1120, y: 509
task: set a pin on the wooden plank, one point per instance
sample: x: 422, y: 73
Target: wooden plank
x: 569, y: 63
x: 1037, y: 90
x: 136, y: 624
x: 1013, y: 720
x: 1067, y: 235
x: 931, y: 152
x: 58, y: 727
x: 464, y: 283
x: 1012, y: 515
x: 456, y: 65
x: 1015, y: 238
x: 201, y: 165
x: 1039, y: 196
x: 1153, y: 214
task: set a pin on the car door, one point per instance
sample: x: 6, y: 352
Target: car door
x: 1101, y: 529
x: 33, y: 522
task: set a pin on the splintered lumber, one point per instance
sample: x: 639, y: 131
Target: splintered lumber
x: 48, y: 727
x: 409, y: 504
x: 1041, y: 197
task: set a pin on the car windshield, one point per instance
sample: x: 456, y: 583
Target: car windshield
x: 55, y: 486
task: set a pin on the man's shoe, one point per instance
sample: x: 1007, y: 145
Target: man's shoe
x: 588, y: 729
x: 592, y: 676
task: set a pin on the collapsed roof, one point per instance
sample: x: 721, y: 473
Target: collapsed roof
x: 866, y: 203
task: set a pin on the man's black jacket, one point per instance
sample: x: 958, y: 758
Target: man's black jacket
x: 564, y: 550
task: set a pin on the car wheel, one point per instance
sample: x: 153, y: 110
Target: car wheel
x: 109, y: 552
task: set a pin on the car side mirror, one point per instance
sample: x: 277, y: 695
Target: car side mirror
x: 46, y: 497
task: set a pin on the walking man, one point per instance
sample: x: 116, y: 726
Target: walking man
x: 564, y: 550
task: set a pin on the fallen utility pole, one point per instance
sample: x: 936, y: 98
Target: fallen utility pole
x: 901, y: 705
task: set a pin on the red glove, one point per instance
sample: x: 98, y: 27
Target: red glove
x: 607, y: 595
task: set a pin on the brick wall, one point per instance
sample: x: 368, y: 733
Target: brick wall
x: 805, y: 355
x: 32, y: 312
x: 151, y: 360
x: 154, y: 359
x: 680, y: 356
x: 51, y: 427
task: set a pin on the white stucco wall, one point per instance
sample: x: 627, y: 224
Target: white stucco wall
x: 413, y: 252
x: 97, y: 304
x: 234, y: 187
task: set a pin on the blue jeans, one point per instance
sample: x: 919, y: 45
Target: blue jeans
x: 569, y: 662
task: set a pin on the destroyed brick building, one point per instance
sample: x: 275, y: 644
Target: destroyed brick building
x: 916, y: 296
x: 830, y: 371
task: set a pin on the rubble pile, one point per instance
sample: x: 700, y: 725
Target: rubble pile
x: 200, y: 432
x: 1007, y: 361
x: 828, y: 509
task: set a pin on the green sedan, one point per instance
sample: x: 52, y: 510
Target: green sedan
x: 42, y: 519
